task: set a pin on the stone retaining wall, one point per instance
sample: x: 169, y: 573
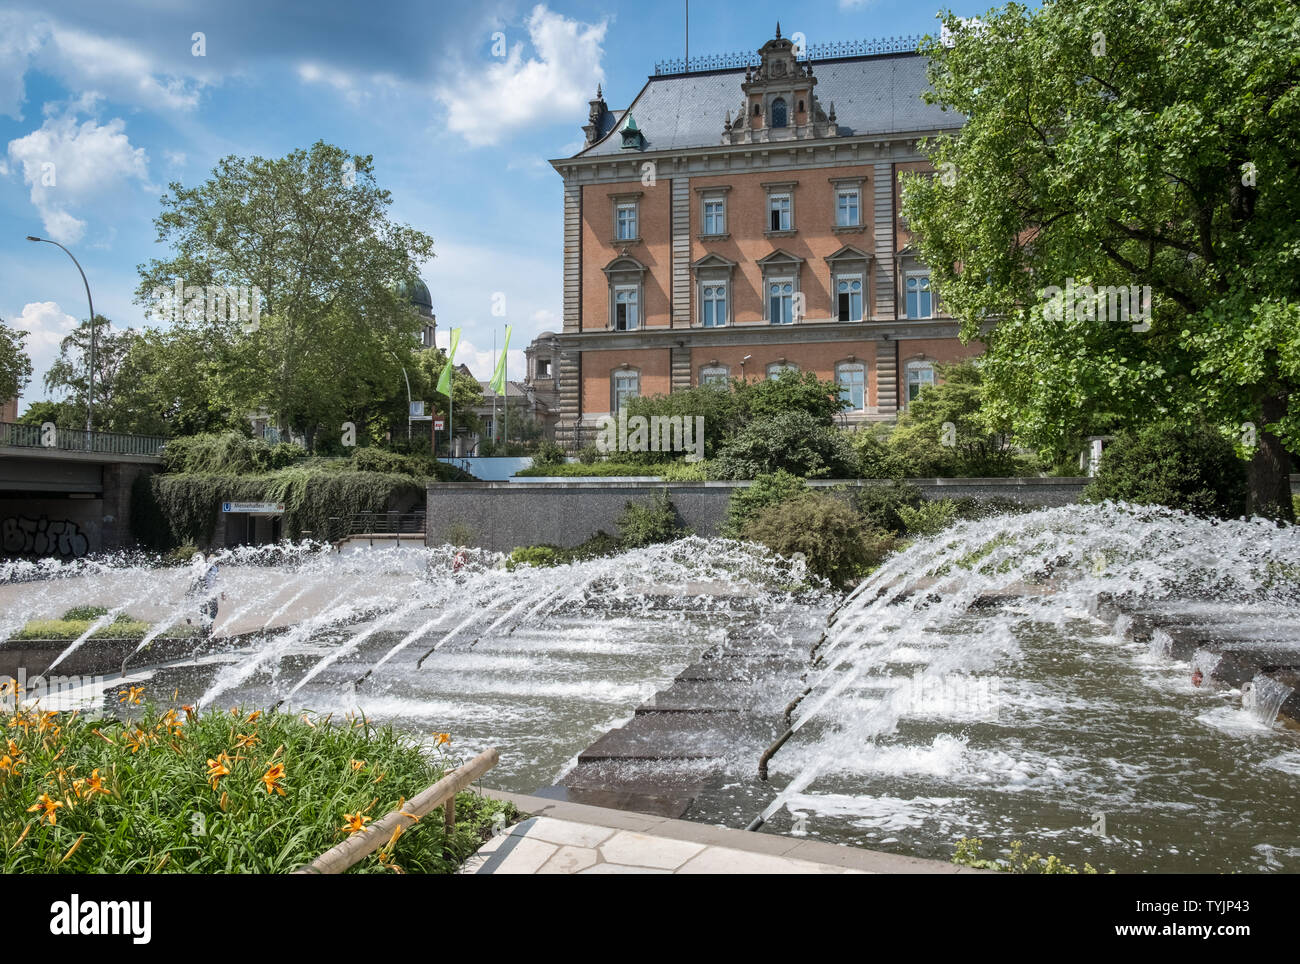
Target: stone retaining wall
x: 502, y: 515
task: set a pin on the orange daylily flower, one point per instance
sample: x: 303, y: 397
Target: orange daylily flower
x: 357, y: 764
x: 189, y: 712
x: 135, y: 739
x: 48, y: 805
x: 272, y: 777
x: 246, y: 740
x: 9, y: 764
x: 442, y: 738
x: 253, y: 716
x: 355, y: 822
x: 218, y: 768
x: 94, y: 784
x: 130, y: 695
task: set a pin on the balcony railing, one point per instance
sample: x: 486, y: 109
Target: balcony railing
x: 823, y: 51
x: 77, y: 440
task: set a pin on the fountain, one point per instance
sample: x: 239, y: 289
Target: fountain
x: 968, y: 688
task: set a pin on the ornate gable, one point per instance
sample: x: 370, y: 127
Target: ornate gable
x: 779, y: 102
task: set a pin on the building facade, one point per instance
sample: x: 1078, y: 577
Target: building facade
x: 740, y: 221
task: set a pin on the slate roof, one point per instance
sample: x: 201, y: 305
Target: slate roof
x: 878, y: 94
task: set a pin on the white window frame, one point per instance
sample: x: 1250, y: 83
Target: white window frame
x: 840, y: 194
x: 849, y: 277
x: 774, y: 369
x: 907, y: 293
x: 786, y: 222
x: 859, y: 368
x: 705, y: 285
x: 768, y: 282
x: 715, y: 375
x: 632, y: 223
x: 916, y: 368
x: 720, y: 225
x: 635, y: 290
x: 617, y: 396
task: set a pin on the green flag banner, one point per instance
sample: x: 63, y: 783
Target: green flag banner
x: 444, y: 380
x: 498, y: 383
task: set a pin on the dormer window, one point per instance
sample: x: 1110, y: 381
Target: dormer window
x: 778, y: 113
x: 631, y: 134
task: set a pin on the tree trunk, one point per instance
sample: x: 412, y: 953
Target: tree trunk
x: 1270, y: 469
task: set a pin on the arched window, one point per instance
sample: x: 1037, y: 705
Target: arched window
x: 715, y: 375
x: 775, y: 369
x: 919, y: 302
x: 851, y: 377
x: 778, y: 112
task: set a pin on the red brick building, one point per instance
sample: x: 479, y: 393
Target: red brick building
x: 735, y: 221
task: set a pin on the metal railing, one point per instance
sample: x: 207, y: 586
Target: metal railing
x: 19, y: 435
x: 375, y: 524
x: 835, y: 50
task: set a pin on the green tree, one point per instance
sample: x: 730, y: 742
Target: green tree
x: 1125, y: 142
x: 15, y: 366
x: 310, y: 232
x: 69, y: 374
x: 62, y: 414
x: 947, y: 430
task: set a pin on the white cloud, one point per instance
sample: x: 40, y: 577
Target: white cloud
x: 174, y: 158
x: 117, y: 68
x: 516, y: 92
x: 66, y: 164
x: 46, y: 325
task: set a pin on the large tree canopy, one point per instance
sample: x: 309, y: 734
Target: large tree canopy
x: 1115, y: 143
x: 15, y: 366
x: 311, y: 233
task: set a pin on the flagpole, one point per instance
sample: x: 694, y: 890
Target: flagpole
x: 505, y: 385
x: 494, y: 397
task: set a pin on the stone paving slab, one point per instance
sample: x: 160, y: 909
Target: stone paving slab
x: 568, y: 838
x: 677, y: 736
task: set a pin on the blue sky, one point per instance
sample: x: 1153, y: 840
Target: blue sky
x: 113, y: 95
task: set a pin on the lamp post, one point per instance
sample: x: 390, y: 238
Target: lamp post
x: 90, y: 391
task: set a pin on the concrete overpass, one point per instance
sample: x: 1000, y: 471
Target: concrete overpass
x: 65, y: 493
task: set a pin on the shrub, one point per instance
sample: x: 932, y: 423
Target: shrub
x: 928, y: 518
x: 548, y: 452
x: 793, y: 391
x: 227, y: 452
x: 745, y: 504
x: 589, y: 454
x: 724, y: 411
x: 685, y: 471
x: 838, y: 544
x: 86, y: 613
x: 880, y: 504
x: 981, y: 446
x: 875, y: 458
x: 533, y: 556
x: 645, y: 523
x: 1188, y: 467
x: 797, y: 442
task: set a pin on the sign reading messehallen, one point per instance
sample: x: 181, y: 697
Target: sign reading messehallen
x: 260, y: 508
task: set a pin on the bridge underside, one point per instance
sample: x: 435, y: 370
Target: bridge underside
x: 65, y: 504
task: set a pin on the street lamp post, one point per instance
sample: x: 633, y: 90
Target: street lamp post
x: 90, y: 391
x: 408, y: 393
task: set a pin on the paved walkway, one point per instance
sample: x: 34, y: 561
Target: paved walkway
x: 571, y: 838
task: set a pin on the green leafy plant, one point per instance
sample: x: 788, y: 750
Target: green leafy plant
x: 548, y: 452
x: 882, y: 505
x: 173, y: 791
x: 928, y: 518
x: 645, y: 523
x: 796, y: 441
x: 838, y: 544
x: 1180, y: 465
x: 766, y: 490
x: 970, y: 853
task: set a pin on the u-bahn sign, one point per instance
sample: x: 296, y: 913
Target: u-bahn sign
x: 254, y: 508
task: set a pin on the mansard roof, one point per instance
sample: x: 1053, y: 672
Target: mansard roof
x: 872, y: 95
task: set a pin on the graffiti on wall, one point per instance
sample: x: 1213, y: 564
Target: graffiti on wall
x: 23, y: 536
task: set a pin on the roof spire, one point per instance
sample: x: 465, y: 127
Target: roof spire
x: 778, y: 30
